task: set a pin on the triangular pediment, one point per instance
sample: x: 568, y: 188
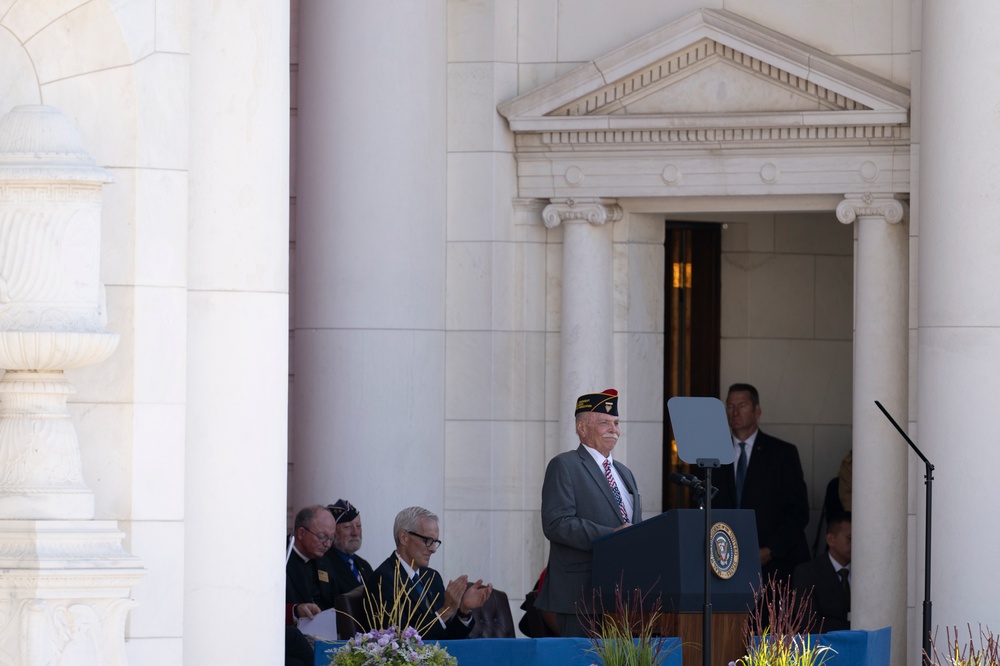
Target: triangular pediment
x: 710, y: 69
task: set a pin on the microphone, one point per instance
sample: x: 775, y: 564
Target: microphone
x: 689, y: 481
x: 686, y: 480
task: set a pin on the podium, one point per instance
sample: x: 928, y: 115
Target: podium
x: 665, y: 557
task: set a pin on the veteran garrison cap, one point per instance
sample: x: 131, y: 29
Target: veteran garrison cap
x: 605, y: 402
x: 343, y: 511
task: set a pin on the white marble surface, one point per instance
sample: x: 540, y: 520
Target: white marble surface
x: 481, y: 186
x: 482, y: 31
x: 474, y: 90
x: 160, y: 610
x: 21, y: 84
x: 86, y: 39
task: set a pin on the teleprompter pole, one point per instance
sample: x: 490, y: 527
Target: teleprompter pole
x: 706, y: 611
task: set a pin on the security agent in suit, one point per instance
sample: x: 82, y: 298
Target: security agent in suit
x: 773, y: 486
x: 438, y: 612
x: 308, y: 588
x: 348, y: 570
x: 579, y: 505
x: 831, y: 588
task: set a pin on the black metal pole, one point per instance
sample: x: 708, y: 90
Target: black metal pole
x: 706, y: 616
x: 929, y: 483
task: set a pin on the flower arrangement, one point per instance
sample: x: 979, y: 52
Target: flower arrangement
x: 775, y: 633
x: 385, y: 644
x: 387, y: 610
x: 987, y: 653
x: 389, y: 647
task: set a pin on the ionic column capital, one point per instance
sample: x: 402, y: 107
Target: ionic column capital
x: 594, y: 211
x: 887, y: 207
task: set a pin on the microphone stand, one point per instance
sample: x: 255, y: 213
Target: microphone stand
x: 929, y: 483
x: 706, y: 613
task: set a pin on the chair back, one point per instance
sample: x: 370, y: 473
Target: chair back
x: 493, y: 619
x: 350, y: 608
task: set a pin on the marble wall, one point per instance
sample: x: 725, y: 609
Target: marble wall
x: 787, y: 322
x: 503, y: 290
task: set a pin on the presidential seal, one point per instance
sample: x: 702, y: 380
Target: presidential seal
x: 725, y: 552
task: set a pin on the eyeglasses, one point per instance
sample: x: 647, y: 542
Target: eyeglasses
x: 321, y: 539
x: 430, y: 542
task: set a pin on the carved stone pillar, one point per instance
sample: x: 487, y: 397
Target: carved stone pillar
x: 587, y: 335
x: 66, y: 578
x: 881, y: 340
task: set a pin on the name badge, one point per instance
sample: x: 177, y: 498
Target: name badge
x: 324, y: 577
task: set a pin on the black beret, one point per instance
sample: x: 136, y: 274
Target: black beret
x: 343, y: 511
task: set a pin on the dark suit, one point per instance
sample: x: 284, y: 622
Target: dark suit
x: 340, y: 571
x: 384, y: 580
x: 830, y: 601
x: 775, y: 489
x: 304, y: 584
x: 578, y: 506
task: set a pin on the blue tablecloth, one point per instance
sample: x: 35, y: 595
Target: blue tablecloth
x: 853, y: 648
x: 521, y: 651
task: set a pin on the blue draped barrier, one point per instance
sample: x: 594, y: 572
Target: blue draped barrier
x: 858, y: 648
x: 521, y: 651
x: 853, y: 648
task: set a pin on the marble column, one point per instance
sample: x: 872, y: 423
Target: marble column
x: 878, y: 589
x: 587, y: 335
x: 66, y: 579
x: 235, y: 456
x: 958, y: 349
x: 370, y: 258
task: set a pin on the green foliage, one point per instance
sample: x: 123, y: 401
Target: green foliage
x: 626, y: 637
x: 987, y: 653
x: 796, y: 650
x: 775, y: 632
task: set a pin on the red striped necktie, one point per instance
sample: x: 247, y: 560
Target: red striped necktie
x: 614, y: 489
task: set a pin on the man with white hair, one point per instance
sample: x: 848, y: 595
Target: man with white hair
x: 586, y: 494
x: 413, y: 594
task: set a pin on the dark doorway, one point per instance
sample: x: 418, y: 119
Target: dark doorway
x: 692, y: 330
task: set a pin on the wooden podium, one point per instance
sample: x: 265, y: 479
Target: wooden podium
x: 665, y: 558
x: 727, y: 635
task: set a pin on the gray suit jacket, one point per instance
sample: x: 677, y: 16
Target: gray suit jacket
x: 577, y: 507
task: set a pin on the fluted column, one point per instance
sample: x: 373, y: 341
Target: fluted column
x: 587, y: 334
x: 878, y: 591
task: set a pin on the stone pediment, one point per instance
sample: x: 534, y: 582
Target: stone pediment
x: 713, y: 70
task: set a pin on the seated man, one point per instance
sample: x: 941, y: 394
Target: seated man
x: 307, y: 579
x: 347, y: 568
x: 828, y: 576
x: 410, y: 593
x: 308, y: 586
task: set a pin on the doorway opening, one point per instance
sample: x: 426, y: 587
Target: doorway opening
x: 693, y: 253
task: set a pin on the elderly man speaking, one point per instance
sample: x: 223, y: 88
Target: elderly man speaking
x: 585, y: 495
